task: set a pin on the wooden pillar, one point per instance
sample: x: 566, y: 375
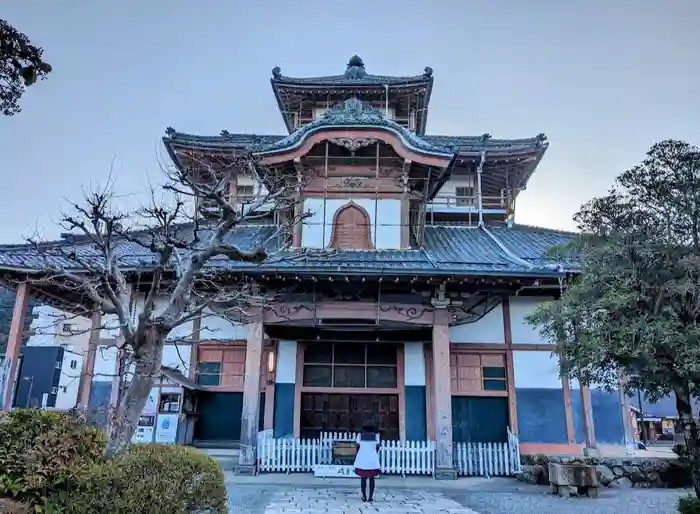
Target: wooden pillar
x: 194, y: 348
x: 568, y: 411
x: 251, y: 398
x: 14, y: 344
x: 510, y: 368
x: 442, y: 396
x: 588, y: 426
x: 87, y: 372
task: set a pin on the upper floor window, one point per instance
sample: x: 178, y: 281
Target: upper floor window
x: 351, y: 229
x: 464, y: 195
x: 245, y: 193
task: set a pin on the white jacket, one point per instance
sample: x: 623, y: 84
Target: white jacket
x: 367, y: 457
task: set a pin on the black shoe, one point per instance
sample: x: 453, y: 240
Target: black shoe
x: 364, y: 499
x: 371, y: 500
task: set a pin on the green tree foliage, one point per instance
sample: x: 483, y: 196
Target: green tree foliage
x: 635, y: 307
x: 40, y: 451
x: 21, y: 65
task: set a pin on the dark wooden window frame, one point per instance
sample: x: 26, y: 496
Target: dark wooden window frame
x: 366, y: 365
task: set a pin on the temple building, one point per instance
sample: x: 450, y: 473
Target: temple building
x: 418, y: 318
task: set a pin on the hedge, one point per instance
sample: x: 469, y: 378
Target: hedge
x: 148, y: 479
x: 40, y: 452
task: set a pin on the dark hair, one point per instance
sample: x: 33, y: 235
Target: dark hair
x: 369, y: 431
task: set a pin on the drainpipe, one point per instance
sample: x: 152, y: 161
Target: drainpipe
x: 479, y: 199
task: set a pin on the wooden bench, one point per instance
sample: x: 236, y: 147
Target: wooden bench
x: 344, y: 452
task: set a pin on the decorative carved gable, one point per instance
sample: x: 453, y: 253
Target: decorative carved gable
x: 351, y: 228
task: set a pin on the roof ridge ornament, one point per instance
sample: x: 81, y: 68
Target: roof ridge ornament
x: 356, y: 68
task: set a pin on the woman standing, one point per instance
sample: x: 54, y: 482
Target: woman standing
x: 367, y: 459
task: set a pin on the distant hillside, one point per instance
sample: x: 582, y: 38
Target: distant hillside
x: 7, y: 303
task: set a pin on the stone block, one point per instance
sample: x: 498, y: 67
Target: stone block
x: 567, y: 479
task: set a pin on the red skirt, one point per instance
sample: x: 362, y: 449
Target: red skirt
x: 366, y: 473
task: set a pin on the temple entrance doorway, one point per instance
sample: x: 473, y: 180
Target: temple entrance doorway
x: 345, y: 384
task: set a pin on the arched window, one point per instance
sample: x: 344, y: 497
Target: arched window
x: 351, y: 228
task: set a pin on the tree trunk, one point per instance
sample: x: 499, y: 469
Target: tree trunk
x: 137, y: 387
x: 690, y: 432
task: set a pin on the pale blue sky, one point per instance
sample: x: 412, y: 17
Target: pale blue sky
x: 604, y: 79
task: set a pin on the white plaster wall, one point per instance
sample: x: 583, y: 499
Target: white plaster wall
x: 536, y: 370
x: 218, y: 328
x: 450, y: 187
x: 521, y: 331
x: 488, y: 329
x: 105, y: 363
x: 414, y: 364
x: 69, y: 380
x: 177, y: 356
x: 286, y: 362
x: 386, y: 233
x: 111, y: 327
x: 47, y: 328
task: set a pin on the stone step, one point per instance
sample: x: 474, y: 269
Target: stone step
x: 227, y: 458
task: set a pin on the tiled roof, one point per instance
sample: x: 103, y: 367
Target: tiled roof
x: 532, y: 244
x: 457, y: 144
x: 355, y: 75
x: 449, y: 250
x: 354, y: 113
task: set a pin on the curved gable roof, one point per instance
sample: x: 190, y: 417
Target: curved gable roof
x: 353, y: 113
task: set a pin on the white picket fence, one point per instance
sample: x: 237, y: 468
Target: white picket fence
x: 396, y: 457
x: 488, y: 459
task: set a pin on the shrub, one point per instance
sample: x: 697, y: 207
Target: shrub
x: 40, y: 451
x: 689, y: 505
x: 148, y: 479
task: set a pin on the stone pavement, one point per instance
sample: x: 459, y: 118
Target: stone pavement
x: 342, y: 501
x: 303, y: 493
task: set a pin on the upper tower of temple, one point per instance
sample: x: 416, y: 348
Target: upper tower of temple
x: 403, y: 99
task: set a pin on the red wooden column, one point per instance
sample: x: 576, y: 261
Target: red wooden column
x: 442, y: 396
x: 251, y: 397
x: 89, y: 362
x: 14, y: 343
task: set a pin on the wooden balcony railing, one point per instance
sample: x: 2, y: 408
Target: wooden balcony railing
x: 454, y: 201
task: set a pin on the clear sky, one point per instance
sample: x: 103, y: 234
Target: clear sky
x: 604, y: 79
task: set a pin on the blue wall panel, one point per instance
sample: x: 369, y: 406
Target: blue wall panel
x: 283, y: 421
x: 541, y: 416
x: 416, y: 427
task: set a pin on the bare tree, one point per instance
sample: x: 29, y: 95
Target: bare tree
x: 174, y: 246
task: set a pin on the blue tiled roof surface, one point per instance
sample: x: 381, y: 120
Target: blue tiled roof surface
x: 354, y: 113
x: 456, y: 144
x: 454, y: 250
x: 532, y: 244
x: 355, y: 75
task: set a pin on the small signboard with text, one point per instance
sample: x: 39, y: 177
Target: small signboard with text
x: 334, y: 471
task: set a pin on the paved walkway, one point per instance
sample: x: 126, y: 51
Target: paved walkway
x: 302, y: 494
x: 342, y: 501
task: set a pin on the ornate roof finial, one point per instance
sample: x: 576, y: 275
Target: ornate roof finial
x: 170, y: 132
x: 356, y: 68
x: 540, y: 139
x: 485, y: 137
x: 276, y: 72
x: 428, y: 72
